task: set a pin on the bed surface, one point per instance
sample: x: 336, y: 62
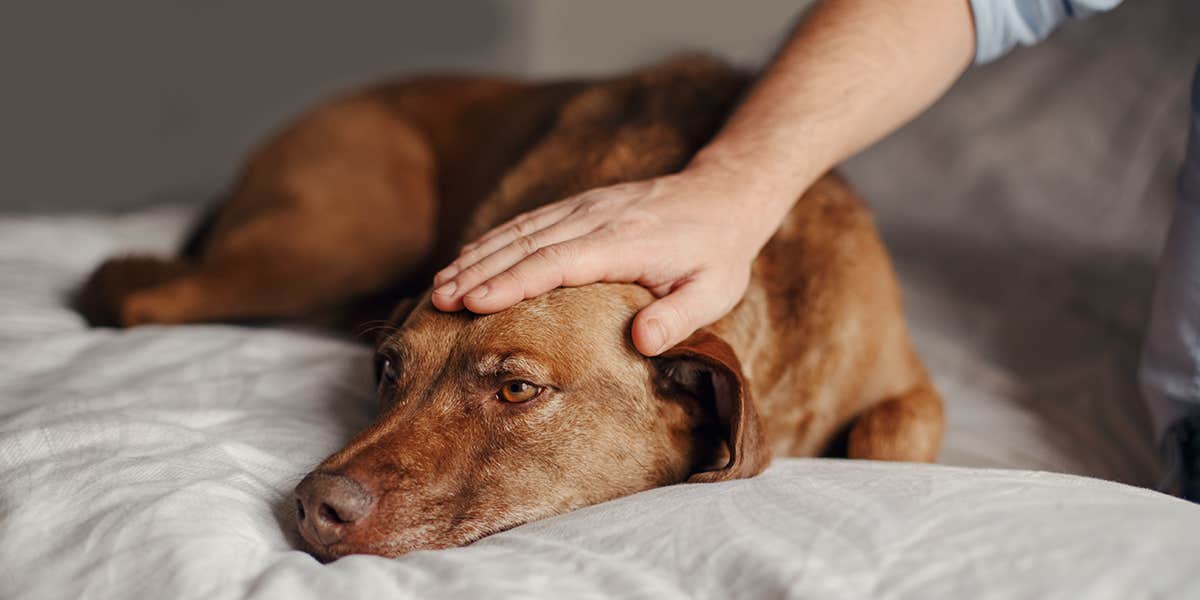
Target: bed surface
x: 158, y: 462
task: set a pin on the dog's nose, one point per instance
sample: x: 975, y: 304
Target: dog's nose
x: 329, y: 505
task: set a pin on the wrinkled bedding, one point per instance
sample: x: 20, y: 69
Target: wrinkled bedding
x: 157, y: 463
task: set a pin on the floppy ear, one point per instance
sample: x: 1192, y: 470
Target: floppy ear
x: 403, y: 308
x: 706, y: 366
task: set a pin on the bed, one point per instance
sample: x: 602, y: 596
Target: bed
x: 158, y: 462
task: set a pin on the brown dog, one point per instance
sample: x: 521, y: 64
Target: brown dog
x: 491, y: 421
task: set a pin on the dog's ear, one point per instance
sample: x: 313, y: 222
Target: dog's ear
x: 706, y: 367
x: 399, y: 314
x: 403, y: 308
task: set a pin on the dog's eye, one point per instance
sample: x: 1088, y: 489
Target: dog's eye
x: 517, y: 391
x: 387, y: 373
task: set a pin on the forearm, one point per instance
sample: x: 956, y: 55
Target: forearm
x: 850, y: 73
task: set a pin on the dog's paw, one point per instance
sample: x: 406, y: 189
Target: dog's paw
x: 105, y: 299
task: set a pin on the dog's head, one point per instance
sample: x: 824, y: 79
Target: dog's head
x: 488, y: 422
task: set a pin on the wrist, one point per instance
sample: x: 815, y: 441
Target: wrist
x: 759, y: 187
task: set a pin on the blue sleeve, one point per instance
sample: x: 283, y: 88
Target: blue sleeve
x: 1002, y: 24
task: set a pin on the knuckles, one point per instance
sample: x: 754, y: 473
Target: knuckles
x: 526, y: 244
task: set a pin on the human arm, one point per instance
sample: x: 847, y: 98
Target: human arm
x: 851, y: 72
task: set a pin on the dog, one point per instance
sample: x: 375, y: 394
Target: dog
x: 490, y: 421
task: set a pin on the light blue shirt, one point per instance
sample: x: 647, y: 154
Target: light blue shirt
x: 1002, y: 24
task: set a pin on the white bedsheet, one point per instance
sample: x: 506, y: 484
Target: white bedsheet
x: 157, y: 463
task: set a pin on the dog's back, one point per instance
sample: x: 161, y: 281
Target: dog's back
x: 365, y: 196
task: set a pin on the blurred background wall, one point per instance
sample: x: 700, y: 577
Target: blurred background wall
x: 120, y: 104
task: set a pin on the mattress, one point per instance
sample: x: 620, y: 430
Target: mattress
x: 158, y: 463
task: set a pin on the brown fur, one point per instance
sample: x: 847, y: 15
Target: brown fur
x: 368, y: 194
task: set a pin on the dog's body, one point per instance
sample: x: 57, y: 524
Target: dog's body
x: 360, y: 199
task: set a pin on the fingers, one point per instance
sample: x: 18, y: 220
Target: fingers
x: 567, y: 263
x: 521, y: 226
x: 524, y: 222
x: 671, y: 319
x: 473, y: 276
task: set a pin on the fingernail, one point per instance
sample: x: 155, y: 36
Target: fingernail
x: 447, y: 289
x: 656, y: 334
x: 445, y: 274
x: 478, y: 292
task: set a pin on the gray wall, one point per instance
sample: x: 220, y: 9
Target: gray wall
x: 124, y: 103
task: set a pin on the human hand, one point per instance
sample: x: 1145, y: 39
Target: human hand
x: 689, y: 238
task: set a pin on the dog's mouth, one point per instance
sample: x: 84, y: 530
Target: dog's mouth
x: 330, y: 553
x: 403, y: 542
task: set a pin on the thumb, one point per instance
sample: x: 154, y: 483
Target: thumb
x: 672, y: 318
